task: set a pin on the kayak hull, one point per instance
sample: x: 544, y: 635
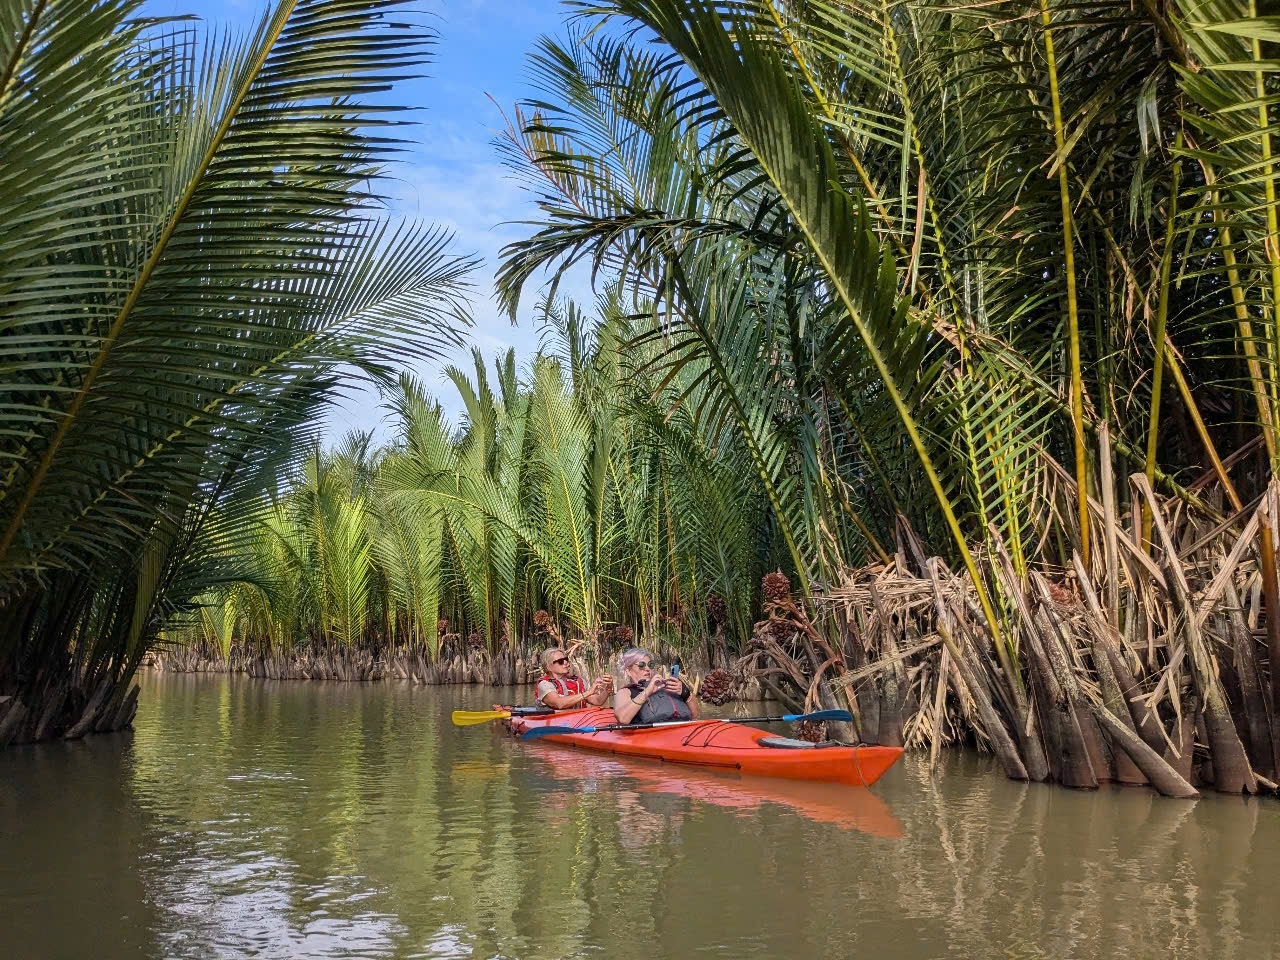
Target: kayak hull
x: 712, y: 744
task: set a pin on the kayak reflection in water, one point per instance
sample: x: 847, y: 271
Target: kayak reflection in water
x: 561, y: 689
x: 649, y: 697
x: 569, y: 772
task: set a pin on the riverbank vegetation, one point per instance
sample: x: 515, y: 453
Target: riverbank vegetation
x: 579, y: 505
x: 194, y: 261
x: 987, y: 296
x: 959, y: 320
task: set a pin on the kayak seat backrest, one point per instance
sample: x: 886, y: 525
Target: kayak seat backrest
x: 786, y: 743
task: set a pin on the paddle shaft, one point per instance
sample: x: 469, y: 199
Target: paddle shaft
x: 785, y: 718
x: 683, y: 723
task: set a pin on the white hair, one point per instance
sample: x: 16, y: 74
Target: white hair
x: 630, y: 657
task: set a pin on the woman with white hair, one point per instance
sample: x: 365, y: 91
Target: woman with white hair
x: 648, y: 697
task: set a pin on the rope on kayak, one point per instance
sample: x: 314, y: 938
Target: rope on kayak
x: 712, y: 729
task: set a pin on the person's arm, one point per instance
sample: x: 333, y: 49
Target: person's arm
x: 624, y: 708
x: 543, y: 693
x: 559, y: 701
x: 684, y: 691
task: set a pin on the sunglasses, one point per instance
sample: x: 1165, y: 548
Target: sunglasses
x: 642, y: 665
x: 560, y: 660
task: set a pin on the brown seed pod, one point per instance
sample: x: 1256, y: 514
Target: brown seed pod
x: 815, y: 731
x: 1061, y: 594
x: 718, y: 609
x: 717, y: 687
x: 780, y: 630
x: 776, y: 587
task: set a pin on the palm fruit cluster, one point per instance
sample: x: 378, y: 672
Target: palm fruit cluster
x: 716, y: 687
x: 718, y: 609
x: 776, y: 587
x: 814, y: 731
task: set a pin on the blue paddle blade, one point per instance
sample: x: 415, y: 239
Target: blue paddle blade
x: 537, y: 732
x: 843, y: 715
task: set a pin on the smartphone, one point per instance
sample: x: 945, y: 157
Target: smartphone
x: 675, y: 670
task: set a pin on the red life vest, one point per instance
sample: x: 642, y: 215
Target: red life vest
x: 565, y: 686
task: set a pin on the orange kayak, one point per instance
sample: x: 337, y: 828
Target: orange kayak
x: 724, y: 746
x: 827, y: 803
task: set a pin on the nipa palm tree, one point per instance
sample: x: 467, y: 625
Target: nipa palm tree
x: 927, y: 259
x: 194, y: 252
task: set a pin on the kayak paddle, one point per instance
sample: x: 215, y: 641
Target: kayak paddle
x: 537, y: 732
x: 468, y: 718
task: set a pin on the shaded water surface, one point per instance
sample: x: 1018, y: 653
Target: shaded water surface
x: 251, y: 819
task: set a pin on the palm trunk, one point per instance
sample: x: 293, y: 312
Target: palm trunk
x: 1232, y: 773
x: 1271, y: 593
x: 993, y: 726
x: 1163, y: 777
x: 1253, y: 701
x: 1060, y: 645
x: 1062, y: 728
x: 1113, y: 698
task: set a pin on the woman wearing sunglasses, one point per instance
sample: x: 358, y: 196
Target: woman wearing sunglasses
x: 648, y: 697
x: 561, y: 689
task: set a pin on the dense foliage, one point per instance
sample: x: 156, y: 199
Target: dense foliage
x: 876, y: 263
x: 193, y: 252
x: 568, y: 490
x: 891, y: 290
x: 951, y: 270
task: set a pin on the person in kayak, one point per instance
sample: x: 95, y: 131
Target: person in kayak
x: 648, y: 697
x: 561, y: 689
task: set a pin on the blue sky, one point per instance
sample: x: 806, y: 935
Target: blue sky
x: 453, y: 176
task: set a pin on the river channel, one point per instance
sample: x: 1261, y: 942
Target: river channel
x: 252, y: 819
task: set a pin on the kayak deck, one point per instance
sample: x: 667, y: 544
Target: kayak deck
x: 726, y: 746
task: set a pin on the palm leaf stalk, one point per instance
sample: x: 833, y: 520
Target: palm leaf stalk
x: 1069, y: 269
x: 1160, y: 344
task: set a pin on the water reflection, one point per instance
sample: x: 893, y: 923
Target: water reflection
x: 744, y: 797
x: 280, y: 820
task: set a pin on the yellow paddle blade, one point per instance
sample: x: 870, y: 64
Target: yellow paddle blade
x: 467, y: 718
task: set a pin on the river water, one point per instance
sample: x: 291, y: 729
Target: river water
x: 252, y: 819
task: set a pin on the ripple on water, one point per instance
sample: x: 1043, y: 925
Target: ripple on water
x: 245, y: 819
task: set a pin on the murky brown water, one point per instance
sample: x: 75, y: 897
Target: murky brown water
x: 248, y: 819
